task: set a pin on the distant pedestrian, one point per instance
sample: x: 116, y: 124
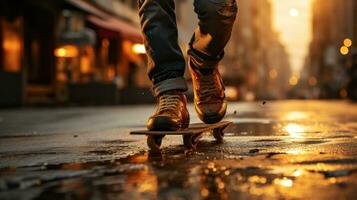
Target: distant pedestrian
x: 167, y: 64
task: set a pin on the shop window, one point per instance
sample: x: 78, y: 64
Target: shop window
x: 74, y: 63
x: 12, y: 47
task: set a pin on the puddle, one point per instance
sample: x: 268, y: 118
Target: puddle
x: 251, y: 129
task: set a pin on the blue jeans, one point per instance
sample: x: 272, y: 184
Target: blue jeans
x: 166, y: 63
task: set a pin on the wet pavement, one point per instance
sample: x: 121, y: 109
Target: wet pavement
x: 277, y: 150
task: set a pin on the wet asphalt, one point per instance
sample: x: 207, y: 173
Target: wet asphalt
x: 276, y: 150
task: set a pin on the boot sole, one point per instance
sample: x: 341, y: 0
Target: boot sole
x: 165, y: 124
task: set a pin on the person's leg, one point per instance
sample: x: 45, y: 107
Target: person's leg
x: 216, y: 19
x: 166, y: 64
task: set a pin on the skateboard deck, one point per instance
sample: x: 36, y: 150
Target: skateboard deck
x: 190, y: 135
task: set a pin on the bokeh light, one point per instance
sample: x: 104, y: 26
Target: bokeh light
x: 347, y: 42
x: 285, y: 182
x: 293, y: 80
x: 344, y: 50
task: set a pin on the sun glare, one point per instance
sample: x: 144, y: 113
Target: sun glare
x: 294, y: 12
x: 292, y: 20
x: 294, y: 130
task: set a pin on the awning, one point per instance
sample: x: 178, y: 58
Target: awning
x: 108, y: 20
x: 125, y: 29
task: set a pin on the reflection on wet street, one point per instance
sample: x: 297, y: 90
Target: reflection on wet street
x: 282, y: 150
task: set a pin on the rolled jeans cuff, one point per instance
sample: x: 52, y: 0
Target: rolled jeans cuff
x: 178, y: 83
x: 204, y: 61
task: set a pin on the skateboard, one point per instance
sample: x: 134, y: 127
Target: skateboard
x: 190, y: 135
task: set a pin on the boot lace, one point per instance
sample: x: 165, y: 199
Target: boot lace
x: 208, y: 86
x: 168, y: 102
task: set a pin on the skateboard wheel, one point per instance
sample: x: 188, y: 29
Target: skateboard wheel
x: 190, y: 141
x: 154, y: 142
x: 218, y: 134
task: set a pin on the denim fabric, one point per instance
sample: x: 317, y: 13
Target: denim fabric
x: 165, y: 58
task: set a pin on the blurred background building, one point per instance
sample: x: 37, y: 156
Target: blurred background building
x: 331, y: 68
x: 64, y: 52
x: 70, y: 51
x: 256, y: 64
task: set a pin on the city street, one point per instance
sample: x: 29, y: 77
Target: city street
x: 273, y: 150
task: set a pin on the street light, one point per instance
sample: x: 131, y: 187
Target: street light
x: 66, y: 51
x: 139, y: 48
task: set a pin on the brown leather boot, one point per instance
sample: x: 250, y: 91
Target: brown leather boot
x: 171, y: 113
x: 210, y: 102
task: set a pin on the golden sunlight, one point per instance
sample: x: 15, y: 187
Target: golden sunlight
x: 296, y: 115
x: 285, y: 182
x: 294, y: 12
x: 294, y: 130
x: 292, y: 19
x: 295, y: 151
x: 297, y: 173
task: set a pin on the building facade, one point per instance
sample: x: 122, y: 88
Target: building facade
x: 332, y: 50
x: 69, y: 51
x: 256, y: 62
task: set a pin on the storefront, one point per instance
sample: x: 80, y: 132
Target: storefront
x: 27, y: 41
x: 70, y: 51
x: 100, y: 70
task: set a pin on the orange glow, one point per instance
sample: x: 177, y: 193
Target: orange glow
x: 111, y: 73
x: 105, y: 43
x: 12, y: 48
x: 139, y: 49
x: 332, y: 180
x: 12, y: 54
x: 312, y: 81
x: 273, y: 73
x: 204, y: 192
x: 231, y: 93
x: 347, y: 42
x: 66, y: 51
x: 12, y: 44
x: 85, y: 64
x: 61, y: 52
x: 257, y: 179
x: 344, y: 50
x: 295, y: 115
x: 297, y: 173
x: 343, y: 93
x: 293, y: 80
x: 294, y: 130
x: 285, y: 182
